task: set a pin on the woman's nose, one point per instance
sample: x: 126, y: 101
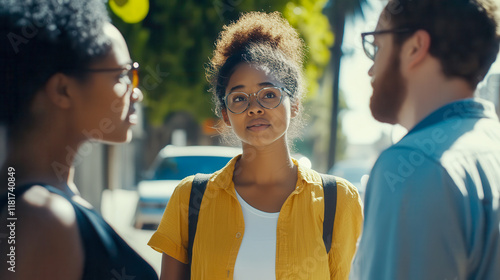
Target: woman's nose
x: 254, y: 106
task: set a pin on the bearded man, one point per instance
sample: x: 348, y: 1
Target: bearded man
x: 432, y: 203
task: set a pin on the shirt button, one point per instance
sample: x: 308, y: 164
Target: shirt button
x: 238, y: 235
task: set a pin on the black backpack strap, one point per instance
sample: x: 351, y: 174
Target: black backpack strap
x: 330, y: 191
x: 197, y: 190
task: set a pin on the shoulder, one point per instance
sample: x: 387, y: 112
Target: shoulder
x: 346, y: 191
x: 42, y: 215
x: 348, y: 198
x: 41, y: 207
x: 401, y: 165
x: 183, y: 189
x: 401, y: 175
x: 349, y: 202
x: 452, y: 137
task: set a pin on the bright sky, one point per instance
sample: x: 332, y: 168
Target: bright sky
x: 358, y: 124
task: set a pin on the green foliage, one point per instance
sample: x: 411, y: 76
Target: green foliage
x: 176, y: 40
x: 307, y: 17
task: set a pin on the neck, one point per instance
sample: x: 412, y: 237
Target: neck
x: 265, y: 165
x: 425, y: 97
x: 43, y: 156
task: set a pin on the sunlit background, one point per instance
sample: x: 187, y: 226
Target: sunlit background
x: 173, y: 40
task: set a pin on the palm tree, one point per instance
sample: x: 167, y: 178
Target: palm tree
x: 337, y: 12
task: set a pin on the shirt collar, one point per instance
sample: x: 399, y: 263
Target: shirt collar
x: 224, y: 177
x: 465, y: 108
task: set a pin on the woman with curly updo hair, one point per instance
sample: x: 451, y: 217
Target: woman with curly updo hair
x: 262, y: 216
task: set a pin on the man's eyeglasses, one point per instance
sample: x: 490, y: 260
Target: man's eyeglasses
x: 268, y: 97
x: 130, y: 72
x: 368, y: 39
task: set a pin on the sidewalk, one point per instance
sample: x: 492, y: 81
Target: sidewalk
x: 118, y: 207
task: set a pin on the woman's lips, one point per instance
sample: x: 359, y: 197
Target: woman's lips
x: 258, y: 127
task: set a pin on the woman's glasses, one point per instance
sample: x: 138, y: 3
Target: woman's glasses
x: 130, y: 72
x: 268, y: 97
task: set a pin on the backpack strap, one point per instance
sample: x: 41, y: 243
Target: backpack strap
x: 197, y: 190
x: 330, y: 191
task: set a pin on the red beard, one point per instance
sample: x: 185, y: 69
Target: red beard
x: 389, y: 92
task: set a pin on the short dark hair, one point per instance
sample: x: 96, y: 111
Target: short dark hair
x: 39, y: 38
x: 464, y: 33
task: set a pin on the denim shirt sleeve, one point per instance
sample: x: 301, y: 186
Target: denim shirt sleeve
x: 414, y: 216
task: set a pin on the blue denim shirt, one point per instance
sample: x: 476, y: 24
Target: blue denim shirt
x: 432, y: 204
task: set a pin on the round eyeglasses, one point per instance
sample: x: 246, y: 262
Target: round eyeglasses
x: 130, y: 73
x: 268, y: 97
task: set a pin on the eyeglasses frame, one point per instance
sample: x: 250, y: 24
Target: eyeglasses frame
x: 378, y: 32
x: 281, y: 89
x: 134, y: 67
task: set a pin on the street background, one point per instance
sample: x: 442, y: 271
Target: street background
x: 173, y: 40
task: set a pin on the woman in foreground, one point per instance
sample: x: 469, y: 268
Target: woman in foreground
x: 67, y: 78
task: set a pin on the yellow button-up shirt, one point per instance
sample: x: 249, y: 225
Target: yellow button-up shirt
x: 300, y: 250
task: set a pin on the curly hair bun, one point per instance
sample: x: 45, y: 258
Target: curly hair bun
x: 255, y: 27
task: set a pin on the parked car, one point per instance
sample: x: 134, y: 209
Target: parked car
x: 173, y: 164
x: 354, y: 171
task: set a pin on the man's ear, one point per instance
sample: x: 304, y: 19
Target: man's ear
x: 295, y: 109
x: 225, y: 117
x: 57, y: 89
x: 416, y: 48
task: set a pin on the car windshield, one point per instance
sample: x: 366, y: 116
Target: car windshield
x: 177, y: 168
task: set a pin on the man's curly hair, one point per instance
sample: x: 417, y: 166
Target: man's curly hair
x: 266, y: 41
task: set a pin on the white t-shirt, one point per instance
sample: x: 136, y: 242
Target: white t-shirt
x: 257, y: 255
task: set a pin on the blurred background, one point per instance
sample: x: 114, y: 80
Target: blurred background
x: 173, y: 40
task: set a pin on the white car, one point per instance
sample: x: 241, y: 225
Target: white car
x: 173, y: 164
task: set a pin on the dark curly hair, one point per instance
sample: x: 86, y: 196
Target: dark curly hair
x: 264, y: 40
x: 39, y: 38
x: 465, y: 34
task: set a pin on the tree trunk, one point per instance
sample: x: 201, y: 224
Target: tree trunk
x: 338, y: 29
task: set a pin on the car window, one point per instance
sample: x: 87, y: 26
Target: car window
x: 177, y: 168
